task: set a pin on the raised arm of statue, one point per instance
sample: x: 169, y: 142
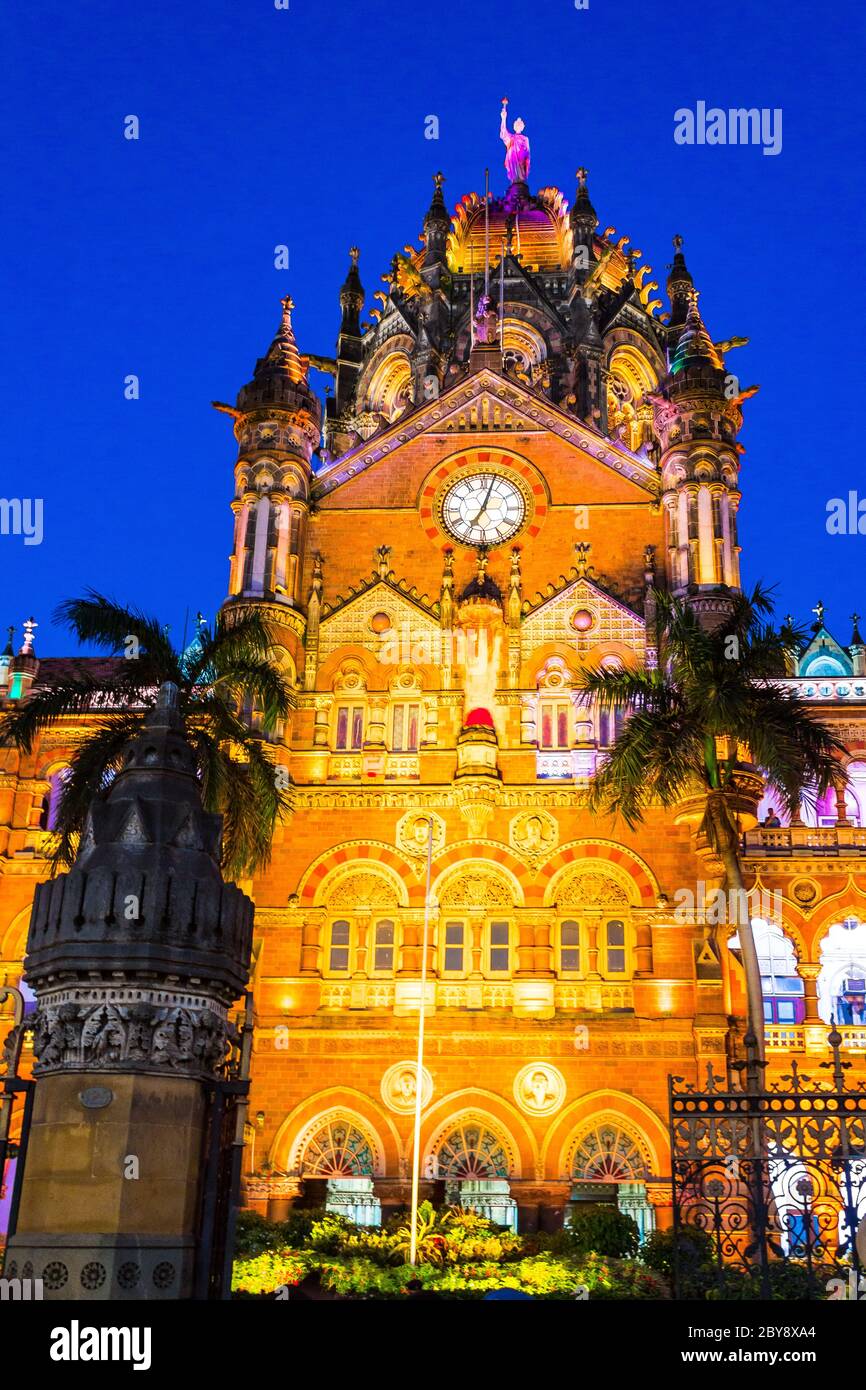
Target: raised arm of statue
x: 503, y: 126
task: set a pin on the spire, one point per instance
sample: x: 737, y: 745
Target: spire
x: 679, y: 283
x: 856, y: 639
x: 280, y: 379
x: 583, y: 216
x: 283, y: 351
x: 437, y: 213
x: 437, y: 225
x: 352, y: 296
x: 695, y: 346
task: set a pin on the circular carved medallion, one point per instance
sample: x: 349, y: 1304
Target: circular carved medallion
x: 398, y: 1087
x: 539, y: 1088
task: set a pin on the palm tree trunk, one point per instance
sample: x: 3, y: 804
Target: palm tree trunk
x: 728, y: 849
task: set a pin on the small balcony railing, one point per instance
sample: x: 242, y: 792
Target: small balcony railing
x: 767, y: 841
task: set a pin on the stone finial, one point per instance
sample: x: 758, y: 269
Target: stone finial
x: 382, y: 554
x: 30, y: 625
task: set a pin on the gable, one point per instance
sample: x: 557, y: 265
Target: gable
x: 350, y: 623
x: 612, y: 622
x: 488, y: 403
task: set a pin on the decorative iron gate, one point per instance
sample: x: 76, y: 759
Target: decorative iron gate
x: 770, y: 1173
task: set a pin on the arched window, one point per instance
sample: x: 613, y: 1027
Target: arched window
x: 842, y: 977
x: 337, y: 1149
x: 51, y: 800
x: 781, y: 986
x: 608, y: 1153
x: 383, y: 947
x: 340, y: 946
x: 569, y: 947
x: 614, y: 947
x: 470, y: 1150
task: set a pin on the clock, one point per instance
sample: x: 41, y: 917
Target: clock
x: 483, y: 509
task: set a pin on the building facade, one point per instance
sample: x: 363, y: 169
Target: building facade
x: 517, y: 448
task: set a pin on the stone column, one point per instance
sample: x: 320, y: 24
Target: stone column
x: 136, y: 956
x: 815, y: 1030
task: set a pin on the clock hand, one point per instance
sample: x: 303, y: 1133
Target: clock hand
x: 476, y: 519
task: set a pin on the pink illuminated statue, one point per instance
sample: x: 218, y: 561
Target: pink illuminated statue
x: 516, y: 147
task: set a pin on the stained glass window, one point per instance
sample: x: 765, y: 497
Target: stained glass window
x: 608, y: 1154
x: 471, y: 1150
x: 338, y: 1149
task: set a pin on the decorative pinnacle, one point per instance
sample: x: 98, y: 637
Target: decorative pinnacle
x: 288, y: 305
x: 354, y: 252
x: 439, y: 179
x: 30, y: 626
x: 819, y: 610
x: 582, y: 175
x: 678, y: 242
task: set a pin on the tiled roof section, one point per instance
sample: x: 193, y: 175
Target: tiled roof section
x: 64, y: 668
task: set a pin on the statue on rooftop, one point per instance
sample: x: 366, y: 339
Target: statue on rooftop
x: 516, y: 147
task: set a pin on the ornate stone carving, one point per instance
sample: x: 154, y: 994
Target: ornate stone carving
x: 413, y: 833
x: 476, y: 889
x: 533, y: 834
x: 81, y: 1035
x: 362, y: 889
x: 591, y: 890
x: 398, y: 1087
x: 539, y: 1088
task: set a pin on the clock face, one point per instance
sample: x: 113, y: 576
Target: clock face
x: 483, y: 509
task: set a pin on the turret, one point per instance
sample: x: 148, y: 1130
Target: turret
x: 277, y: 425
x: 24, y: 667
x: 697, y: 419
x: 857, y: 648
x: 6, y: 661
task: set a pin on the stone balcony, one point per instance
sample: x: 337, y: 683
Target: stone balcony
x: 785, y: 841
x: 802, y: 1037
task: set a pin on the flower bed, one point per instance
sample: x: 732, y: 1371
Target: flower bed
x: 460, y: 1255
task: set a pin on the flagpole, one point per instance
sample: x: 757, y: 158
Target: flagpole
x: 419, y: 1073
x: 487, y: 232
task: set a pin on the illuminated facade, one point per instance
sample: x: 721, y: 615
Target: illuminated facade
x: 501, y: 476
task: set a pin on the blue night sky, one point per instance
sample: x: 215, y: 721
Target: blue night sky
x: 306, y: 127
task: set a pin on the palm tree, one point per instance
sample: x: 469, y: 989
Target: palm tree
x: 223, y: 670
x: 712, y: 695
